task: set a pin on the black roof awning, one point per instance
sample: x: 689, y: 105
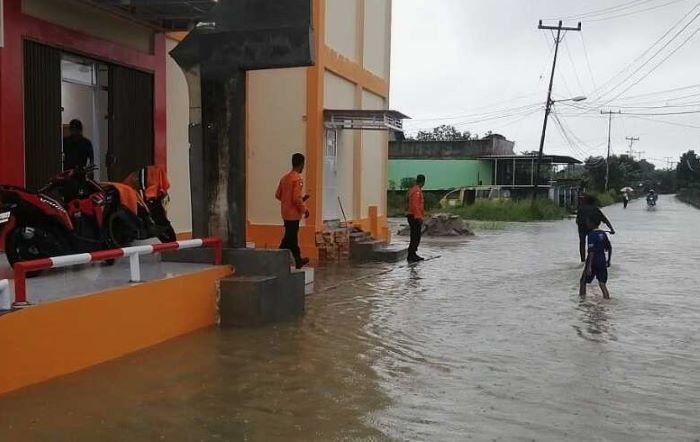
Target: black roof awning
x: 364, y: 119
x: 553, y: 159
x: 170, y: 15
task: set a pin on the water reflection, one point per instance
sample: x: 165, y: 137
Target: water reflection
x: 595, y: 320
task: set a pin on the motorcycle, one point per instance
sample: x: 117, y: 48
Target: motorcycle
x: 75, y: 214
x: 651, y: 202
x: 37, y: 225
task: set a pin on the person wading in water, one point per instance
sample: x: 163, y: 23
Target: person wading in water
x: 416, y: 212
x: 588, y: 217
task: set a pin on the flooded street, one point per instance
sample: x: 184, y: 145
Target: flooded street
x: 487, y: 342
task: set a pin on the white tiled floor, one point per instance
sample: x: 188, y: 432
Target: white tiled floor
x: 80, y: 280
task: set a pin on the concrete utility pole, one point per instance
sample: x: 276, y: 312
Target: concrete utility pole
x: 607, y: 158
x: 548, y: 106
x: 631, y: 140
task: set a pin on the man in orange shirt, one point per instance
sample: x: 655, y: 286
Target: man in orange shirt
x: 292, y: 199
x: 416, y: 212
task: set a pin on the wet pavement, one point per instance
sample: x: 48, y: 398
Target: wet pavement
x: 488, y: 342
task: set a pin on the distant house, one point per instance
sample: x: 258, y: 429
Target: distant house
x: 486, y: 168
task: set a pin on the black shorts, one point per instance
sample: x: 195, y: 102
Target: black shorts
x: 599, y: 273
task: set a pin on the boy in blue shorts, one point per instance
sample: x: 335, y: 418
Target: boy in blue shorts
x: 596, y: 263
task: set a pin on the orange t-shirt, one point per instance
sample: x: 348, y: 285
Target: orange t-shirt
x: 416, y: 206
x: 291, y: 196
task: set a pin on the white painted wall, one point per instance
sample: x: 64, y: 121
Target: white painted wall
x: 374, y: 160
x: 178, y: 145
x: 377, y: 38
x: 276, y: 130
x: 341, y: 27
x: 340, y: 94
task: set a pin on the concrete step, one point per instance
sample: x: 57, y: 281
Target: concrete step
x: 246, y: 262
x: 246, y: 301
x: 390, y: 254
x: 360, y: 237
x: 362, y: 251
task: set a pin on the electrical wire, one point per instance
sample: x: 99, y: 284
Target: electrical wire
x: 599, y: 92
x: 633, y: 12
x: 608, y: 10
x: 657, y: 65
x: 588, y: 61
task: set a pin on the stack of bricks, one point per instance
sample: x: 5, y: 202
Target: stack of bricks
x: 333, y: 245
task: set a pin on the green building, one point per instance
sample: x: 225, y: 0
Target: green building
x: 443, y: 174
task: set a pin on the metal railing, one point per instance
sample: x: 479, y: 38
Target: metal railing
x: 133, y: 253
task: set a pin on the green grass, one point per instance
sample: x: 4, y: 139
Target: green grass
x: 508, y: 210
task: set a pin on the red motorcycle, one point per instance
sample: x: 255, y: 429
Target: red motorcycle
x: 75, y: 214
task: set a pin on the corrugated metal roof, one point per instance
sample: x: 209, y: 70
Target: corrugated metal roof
x: 172, y: 15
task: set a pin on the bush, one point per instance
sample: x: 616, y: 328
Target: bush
x: 508, y: 210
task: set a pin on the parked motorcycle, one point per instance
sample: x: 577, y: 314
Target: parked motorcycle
x: 38, y: 225
x: 75, y: 214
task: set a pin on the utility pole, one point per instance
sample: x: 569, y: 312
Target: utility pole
x: 631, y: 140
x: 640, y: 153
x: 607, y: 158
x: 548, y: 106
x: 669, y: 162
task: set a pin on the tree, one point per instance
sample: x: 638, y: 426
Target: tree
x: 688, y: 170
x: 444, y: 132
x: 624, y: 171
x: 407, y: 183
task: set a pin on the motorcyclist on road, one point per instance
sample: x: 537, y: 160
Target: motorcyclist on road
x: 652, y: 197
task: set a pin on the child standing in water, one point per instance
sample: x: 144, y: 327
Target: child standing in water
x: 596, y: 262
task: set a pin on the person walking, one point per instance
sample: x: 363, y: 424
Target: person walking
x: 588, y: 217
x: 596, y: 263
x: 77, y: 150
x: 625, y: 199
x: 416, y: 212
x: 290, y: 193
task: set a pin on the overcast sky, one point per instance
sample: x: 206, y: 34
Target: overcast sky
x: 483, y: 65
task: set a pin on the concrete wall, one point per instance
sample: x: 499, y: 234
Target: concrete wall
x: 374, y: 160
x: 341, y: 27
x: 77, y: 16
x: 276, y: 130
x: 178, y: 145
x: 443, y: 174
x: 450, y: 149
x: 377, y: 37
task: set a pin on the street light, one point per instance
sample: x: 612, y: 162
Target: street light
x: 579, y: 98
x: 547, y: 111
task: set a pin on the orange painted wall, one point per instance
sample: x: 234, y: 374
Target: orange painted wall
x: 54, y: 339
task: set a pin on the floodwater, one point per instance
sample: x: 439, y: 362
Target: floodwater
x: 488, y: 342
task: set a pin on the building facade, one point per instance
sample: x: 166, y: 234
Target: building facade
x: 111, y: 69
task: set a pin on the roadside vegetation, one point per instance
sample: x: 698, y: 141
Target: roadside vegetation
x: 510, y: 210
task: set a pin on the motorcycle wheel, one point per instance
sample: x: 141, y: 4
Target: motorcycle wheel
x: 42, y: 243
x: 167, y: 234
x: 120, y: 230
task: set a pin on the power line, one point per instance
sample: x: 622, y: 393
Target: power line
x: 573, y: 65
x: 670, y: 123
x: 588, y: 62
x: 611, y: 9
x: 599, y: 91
x: 628, y: 14
x: 658, y: 64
